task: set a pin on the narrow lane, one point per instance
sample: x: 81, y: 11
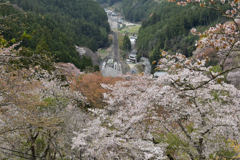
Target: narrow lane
x: 112, y: 65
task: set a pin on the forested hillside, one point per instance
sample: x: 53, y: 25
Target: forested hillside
x: 138, y: 10
x: 134, y: 10
x: 169, y: 29
x: 166, y: 26
x: 109, y: 2
x: 58, y: 26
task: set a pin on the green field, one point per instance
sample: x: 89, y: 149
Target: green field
x: 131, y: 30
x: 134, y: 29
x: 103, y: 51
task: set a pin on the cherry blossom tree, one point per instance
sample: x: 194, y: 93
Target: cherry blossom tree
x: 122, y: 129
x: 190, y: 113
x: 34, y: 103
x: 202, y: 107
x: 33, y: 116
x: 195, y: 119
x: 234, y: 78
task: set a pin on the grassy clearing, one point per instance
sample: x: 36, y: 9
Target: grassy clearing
x: 131, y: 30
x: 120, y: 40
x: 103, y: 55
x: 124, y: 31
x: 134, y: 29
x: 103, y: 51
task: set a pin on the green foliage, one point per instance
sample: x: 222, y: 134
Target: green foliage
x: 139, y: 55
x: 134, y: 10
x: 212, y: 62
x: 30, y: 59
x: 40, y: 144
x: 103, y: 51
x: 175, y: 144
x: 50, y: 101
x: 138, y: 10
x: 110, y: 2
x: 216, y: 69
x: 123, y: 54
x: 169, y: 28
x: 139, y: 68
x: 85, y: 61
x: 96, y: 68
x: 57, y: 26
x: 134, y: 29
x: 51, y: 104
x: 223, y: 152
x: 120, y: 40
x: 42, y: 47
x: 126, y: 43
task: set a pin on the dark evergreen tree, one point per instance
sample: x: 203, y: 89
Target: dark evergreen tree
x: 126, y: 43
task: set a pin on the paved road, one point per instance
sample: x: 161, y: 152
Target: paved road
x: 113, y: 22
x: 118, y: 67
x: 133, y: 69
x: 111, y: 72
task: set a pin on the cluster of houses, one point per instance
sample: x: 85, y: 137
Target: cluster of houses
x: 114, y: 17
x: 110, y: 13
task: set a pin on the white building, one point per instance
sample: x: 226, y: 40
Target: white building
x: 133, y: 40
x: 133, y: 55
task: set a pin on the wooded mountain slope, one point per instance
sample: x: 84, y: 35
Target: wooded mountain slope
x: 169, y: 29
x: 109, y: 2
x: 59, y: 25
x: 134, y: 10
x: 166, y: 26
